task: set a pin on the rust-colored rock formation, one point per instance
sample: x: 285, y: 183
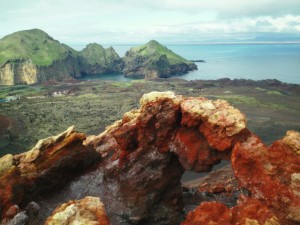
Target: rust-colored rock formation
x: 89, y: 210
x: 140, y: 159
x: 271, y: 174
x: 44, y: 167
x: 249, y: 211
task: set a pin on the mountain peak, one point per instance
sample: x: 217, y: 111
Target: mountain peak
x: 35, y: 45
x: 153, y: 42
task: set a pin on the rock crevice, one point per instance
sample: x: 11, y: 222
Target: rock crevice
x: 136, y: 164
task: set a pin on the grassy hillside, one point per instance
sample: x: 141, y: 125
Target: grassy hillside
x: 96, y: 60
x: 94, y: 54
x: 35, y: 45
x: 153, y: 48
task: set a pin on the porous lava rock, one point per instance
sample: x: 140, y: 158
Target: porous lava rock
x: 135, y: 166
x: 46, y: 166
x: 249, y: 211
x: 271, y: 174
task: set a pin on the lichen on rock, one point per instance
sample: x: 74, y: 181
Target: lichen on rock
x: 292, y: 138
x: 135, y: 167
x: 87, y: 211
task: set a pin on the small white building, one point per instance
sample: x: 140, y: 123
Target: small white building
x: 12, y: 98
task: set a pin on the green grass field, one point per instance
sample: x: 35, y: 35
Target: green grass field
x: 153, y: 47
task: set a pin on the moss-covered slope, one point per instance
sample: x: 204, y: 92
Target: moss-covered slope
x: 154, y: 60
x: 34, y: 45
x: 96, y: 59
x: 32, y: 56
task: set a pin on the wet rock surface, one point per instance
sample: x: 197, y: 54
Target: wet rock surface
x: 135, y: 167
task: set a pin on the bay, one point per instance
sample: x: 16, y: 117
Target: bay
x: 234, y: 61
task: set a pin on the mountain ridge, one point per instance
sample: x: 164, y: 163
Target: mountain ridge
x: 153, y: 60
x: 33, y: 56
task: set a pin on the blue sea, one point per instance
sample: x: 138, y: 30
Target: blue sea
x: 241, y: 61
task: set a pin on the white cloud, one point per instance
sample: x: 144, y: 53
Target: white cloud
x: 287, y: 24
x: 231, y: 8
x: 123, y: 21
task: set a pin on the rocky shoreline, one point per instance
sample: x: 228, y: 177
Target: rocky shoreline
x: 32, y: 56
x: 135, y: 167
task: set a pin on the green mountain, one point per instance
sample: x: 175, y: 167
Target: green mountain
x: 96, y: 59
x: 154, y: 60
x: 32, y: 56
x: 153, y: 47
x: 34, y: 45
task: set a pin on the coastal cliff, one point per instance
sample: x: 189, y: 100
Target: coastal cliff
x: 18, y: 72
x: 153, y: 60
x: 136, y: 164
x: 94, y: 59
x: 32, y: 56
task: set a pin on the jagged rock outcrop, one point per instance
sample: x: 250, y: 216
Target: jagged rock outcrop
x: 278, y: 167
x: 89, y: 210
x: 139, y: 160
x: 270, y: 175
x: 153, y: 60
x: 94, y: 59
x: 48, y: 165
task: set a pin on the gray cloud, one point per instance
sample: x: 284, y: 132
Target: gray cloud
x: 124, y: 21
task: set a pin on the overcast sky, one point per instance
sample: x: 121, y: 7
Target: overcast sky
x: 137, y: 21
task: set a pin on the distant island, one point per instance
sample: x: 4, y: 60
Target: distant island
x: 32, y: 56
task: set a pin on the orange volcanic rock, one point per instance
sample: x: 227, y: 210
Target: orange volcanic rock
x: 138, y: 152
x: 249, y: 211
x: 140, y: 159
x: 209, y: 213
x: 271, y: 174
x: 89, y: 210
x: 219, y: 122
x: 45, y: 166
x: 12, y: 184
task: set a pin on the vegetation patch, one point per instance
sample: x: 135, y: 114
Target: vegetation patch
x: 122, y: 84
x: 153, y: 47
x: 33, y: 45
x: 275, y: 93
x: 260, y: 89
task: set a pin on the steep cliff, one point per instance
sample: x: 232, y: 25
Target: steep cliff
x: 153, y: 60
x: 94, y: 59
x: 33, y: 56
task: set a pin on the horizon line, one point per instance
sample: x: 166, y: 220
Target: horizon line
x: 199, y: 43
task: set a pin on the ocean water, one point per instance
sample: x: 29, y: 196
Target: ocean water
x: 241, y: 61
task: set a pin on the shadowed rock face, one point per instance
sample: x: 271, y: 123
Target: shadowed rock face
x: 139, y: 160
